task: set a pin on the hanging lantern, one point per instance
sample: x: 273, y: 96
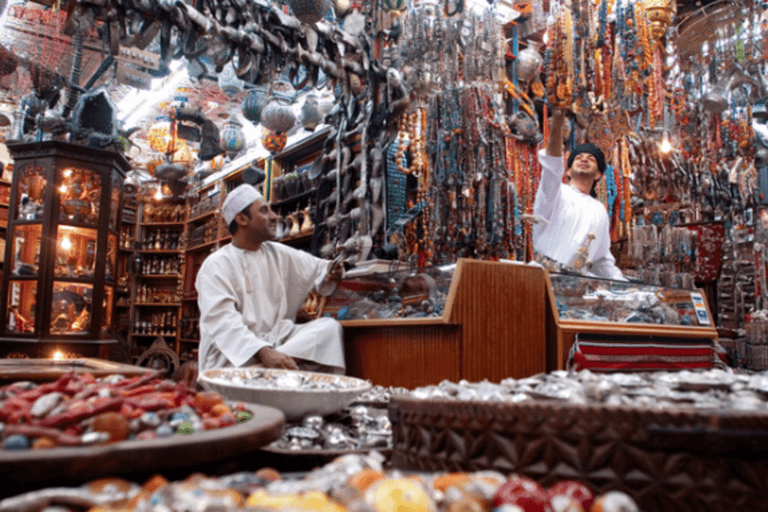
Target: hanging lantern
x: 232, y: 137
x: 313, y: 112
x: 228, y: 81
x: 283, y: 90
x: 308, y: 11
x: 395, y: 7
x: 273, y: 142
x: 254, y: 103
x: 341, y: 7
x: 528, y: 64
x: 277, y: 116
x: 183, y: 154
x: 170, y: 172
x: 660, y: 16
x: 160, y: 135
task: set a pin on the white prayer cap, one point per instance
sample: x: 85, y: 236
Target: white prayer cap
x: 237, y: 200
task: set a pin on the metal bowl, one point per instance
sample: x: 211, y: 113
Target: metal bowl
x: 296, y: 393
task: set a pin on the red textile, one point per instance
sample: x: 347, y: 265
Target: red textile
x: 616, y: 355
x: 709, y: 250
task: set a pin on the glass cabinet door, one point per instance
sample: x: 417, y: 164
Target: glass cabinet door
x: 71, y: 308
x: 79, y: 195
x: 25, y: 250
x: 75, y: 252
x: 22, y: 302
x: 30, y: 194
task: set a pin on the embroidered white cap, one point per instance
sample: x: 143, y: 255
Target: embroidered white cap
x: 238, y: 200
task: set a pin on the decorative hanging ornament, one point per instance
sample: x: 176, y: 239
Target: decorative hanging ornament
x: 395, y: 7
x: 228, y: 81
x: 160, y: 135
x: 273, y: 142
x: 283, y: 90
x: 254, y: 103
x: 232, y: 137
x: 528, y: 62
x: 277, y: 116
x: 341, y: 7
x: 308, y: 11
x: 312, y: 112
x: 660, y: 15
x: 183, y: 154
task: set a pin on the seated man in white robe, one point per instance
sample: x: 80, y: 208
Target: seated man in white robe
x: 250, y: 291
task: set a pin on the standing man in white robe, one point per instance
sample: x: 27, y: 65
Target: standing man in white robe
x: 250, y: 291
x: 577, y: 229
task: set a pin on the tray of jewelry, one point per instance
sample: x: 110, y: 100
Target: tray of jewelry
x: 671, y: 440
x: 80, y: 427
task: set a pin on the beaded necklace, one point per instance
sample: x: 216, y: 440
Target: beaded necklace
x: 610, y: 190
x: 627, y: 200
x: 395, y: 193
x: 561, y: 76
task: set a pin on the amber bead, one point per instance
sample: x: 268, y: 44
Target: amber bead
x: 114, y: 424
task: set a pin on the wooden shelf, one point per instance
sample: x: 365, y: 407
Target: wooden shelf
x: 203, y: 216
x: 293, y: 199
x: 189, y: 340
x: 200, y: 247
x: 159, y: 304
x: 159, y: 251
x: 306, y: 237
x: 162, y: 224
x: 162, y: 276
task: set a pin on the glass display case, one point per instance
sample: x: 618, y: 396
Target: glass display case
x: 618, y: 312
x: 604, y: 300
x: 373, y: 293
x: 60, y: 278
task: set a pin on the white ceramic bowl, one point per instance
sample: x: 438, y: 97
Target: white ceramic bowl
x: 296, y: 393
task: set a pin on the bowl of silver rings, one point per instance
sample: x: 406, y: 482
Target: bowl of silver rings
x: 296, y: 393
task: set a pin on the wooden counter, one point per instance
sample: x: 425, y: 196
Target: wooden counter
x: 493, y: 327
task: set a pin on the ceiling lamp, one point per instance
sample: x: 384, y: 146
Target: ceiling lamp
x: 183, y: 153
x: 161, y: 135
x: 660, y: 16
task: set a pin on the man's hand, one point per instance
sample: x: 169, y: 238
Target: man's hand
x: 555, y: 142
x: 272, y: 358
x: 335, y: 270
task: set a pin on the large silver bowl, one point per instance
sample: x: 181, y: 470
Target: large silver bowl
x: 296, y: 393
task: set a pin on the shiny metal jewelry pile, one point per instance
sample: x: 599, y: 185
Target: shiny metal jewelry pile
x: 712, y: 389
x: 266, y: 379
x: 363, y: 426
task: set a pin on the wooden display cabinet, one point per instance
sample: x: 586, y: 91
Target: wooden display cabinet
x: 490, y: 324
x: 60, y: 272
x: 5, y: 198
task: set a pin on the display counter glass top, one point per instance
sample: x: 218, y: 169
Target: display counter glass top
x: 603, y: 300
x: 405, y: 293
